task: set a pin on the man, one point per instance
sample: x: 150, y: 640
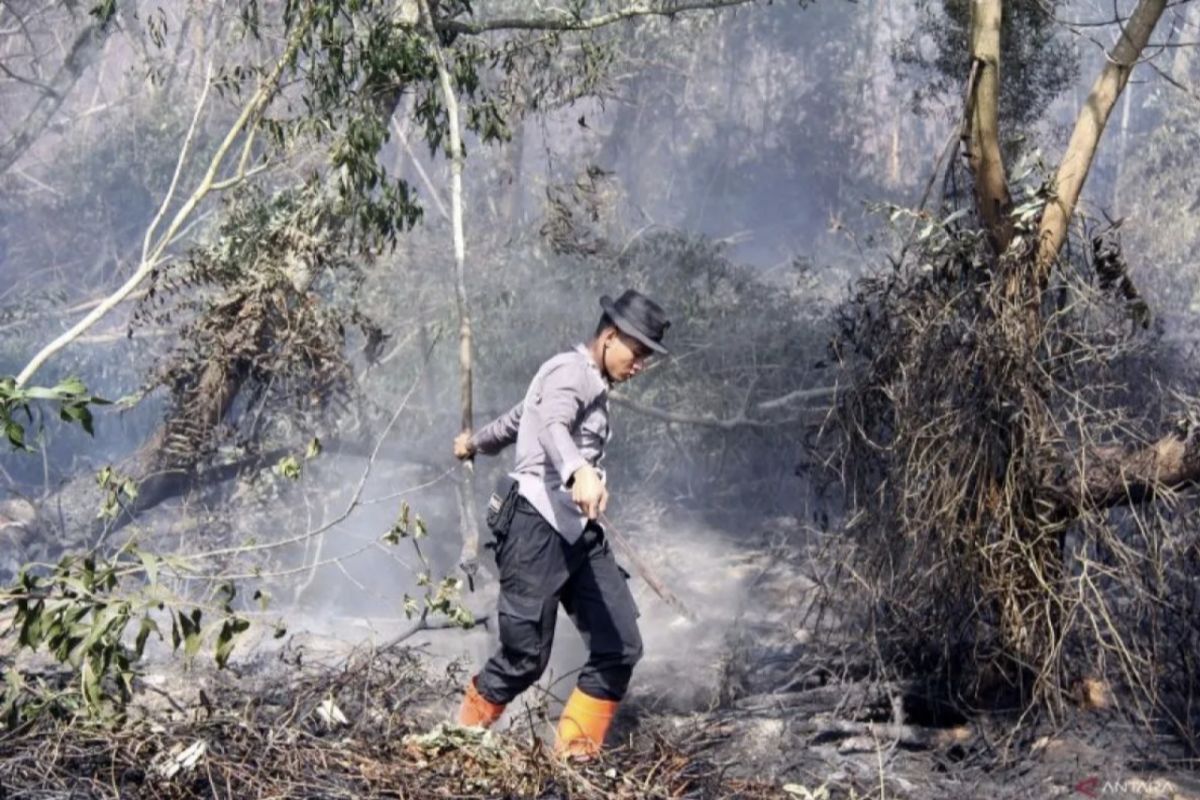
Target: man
x: 549, y: 547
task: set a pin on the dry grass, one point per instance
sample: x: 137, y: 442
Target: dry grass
x: 368, y: 728
x: 977, y: 407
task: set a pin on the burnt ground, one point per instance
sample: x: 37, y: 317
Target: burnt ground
x: 764, y: 694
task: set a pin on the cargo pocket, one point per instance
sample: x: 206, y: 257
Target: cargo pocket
x: 625, y: 576
x: 501, y: 505
x: 499, y: 516
x: 531, y: 575
x: 523, y: 634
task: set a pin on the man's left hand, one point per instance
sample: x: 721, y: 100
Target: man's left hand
x: 463, y: 447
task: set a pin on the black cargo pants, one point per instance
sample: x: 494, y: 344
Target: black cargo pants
x: 539, y: 570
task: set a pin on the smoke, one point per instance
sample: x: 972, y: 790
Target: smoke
x: 732, y: 131
x: 356, y: 592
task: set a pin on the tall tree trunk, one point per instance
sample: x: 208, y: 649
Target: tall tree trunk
x: 1122, y: 151
x: 1081, y: 150
x: 894, y: 175
x: 987, y: 162
x: 513, y: 198
x: 1181, y: 64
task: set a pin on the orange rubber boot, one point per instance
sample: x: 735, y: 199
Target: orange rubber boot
x: 583, y: 724
x: 477, y: 710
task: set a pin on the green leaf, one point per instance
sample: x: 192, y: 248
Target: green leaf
x: 461, y: 617
x: 225, y: 594
x: 147, y: 627
x: 288, y: 467
x: 150, y: 564
x: 104, y: 11
x: 109, y: 508
x: 314, y: 449
x: 90, y: 684
x: 225, y: 639
x: 32, y: 633
x: 85, y: 420
x: 15, y: 434
x: 189, y: 626
x: 100, y: 627
x: 13, y: 679
x: 70, y: 386
x: 263, y: 598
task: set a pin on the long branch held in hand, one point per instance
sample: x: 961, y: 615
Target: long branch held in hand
x: 466, y: 494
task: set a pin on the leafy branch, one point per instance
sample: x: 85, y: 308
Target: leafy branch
x: 83, y: 614
x: 568, y: 21
x: 70, y: 395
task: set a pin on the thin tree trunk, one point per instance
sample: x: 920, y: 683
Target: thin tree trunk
x: 469, y: 560
x: 1122, y: 151
x: 987, y: 162
x: 1081, y: 150
x: 894, y: 176
x: 1181, y: 65
x: 513, y: 202
x: 80, y: 55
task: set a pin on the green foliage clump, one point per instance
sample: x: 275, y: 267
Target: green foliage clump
x: 70, y: 395
x: 83, y: 612
x: 443, y: 596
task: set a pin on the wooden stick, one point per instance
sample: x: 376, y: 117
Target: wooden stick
x: 469, y: 559
x: 644, y: 572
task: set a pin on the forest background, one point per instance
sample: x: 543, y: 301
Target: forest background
x: 240, y: 220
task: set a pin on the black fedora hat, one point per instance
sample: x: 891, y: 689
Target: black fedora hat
x: 639, y: 316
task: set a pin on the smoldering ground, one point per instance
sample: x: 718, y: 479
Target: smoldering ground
x: 352, y: 588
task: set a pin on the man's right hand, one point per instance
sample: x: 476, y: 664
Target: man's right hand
x: 589, y: 492
x: 463, y: 449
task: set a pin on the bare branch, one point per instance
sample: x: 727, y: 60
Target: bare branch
x: 79, y: 56
x: 183, y: 154
x: 1089, y: 126
x: 705, y: 420
x: 1119, y: 476
x: 568, y: 22
x: 355, y: 496
x: 154, y: 256
x: 817, y: 393
x: 416, y: 162
x: 46, y: 88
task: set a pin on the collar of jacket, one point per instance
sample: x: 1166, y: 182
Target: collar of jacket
x: 587, y: 354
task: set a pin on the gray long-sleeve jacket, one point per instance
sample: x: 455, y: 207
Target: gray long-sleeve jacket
x: 561, y: 424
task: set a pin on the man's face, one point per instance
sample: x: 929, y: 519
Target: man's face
x: 624, y: 356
